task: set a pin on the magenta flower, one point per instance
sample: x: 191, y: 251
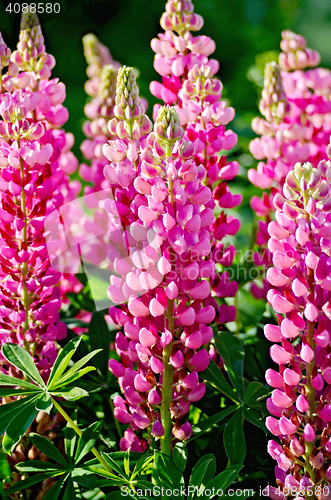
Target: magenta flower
x: 300, y: 247
x: 189, y: 83
x: 161, y: 279
x: 101, y: 86
x: 34, y: 158
x: 295, y: 128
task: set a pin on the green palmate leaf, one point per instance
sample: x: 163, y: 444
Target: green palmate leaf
x: 63, y: 360
x: 114, y: 465
x: 84, y: 478
x: 169, y: 475
x: 66, y: 380
x: 224, y: 479
x: 255, y: 416
x: 179, y: 455
x: 69, y: 493
x: 10, y: 410
x: 17, y: 382
x: 19, y: 425
x: 118, y: 456
x: 141, y: 465
x: 232, y: 352
x: 100, y: 339
x: 48, y: 448
x: 38, y: 466
x: 44, y: 403
x: 113, y: 479
x: 70, y: 438
x: 234, y: 439
x: 30, y: 481
x: 202, y: 473
x: 77, y: 366
x: 214, y: 375
x: 71, y: 394
x: 87, y: 441
x: 18, y: 357
x: 54, y: 492
x: 204, y: 425
x: 255, y: 391
x: 16, y: 392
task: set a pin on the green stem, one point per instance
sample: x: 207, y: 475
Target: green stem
x: 167, y: 380
x: 25, y: 264
x: 310, y: 391
x: 167, y: 376
x: 79, y: 432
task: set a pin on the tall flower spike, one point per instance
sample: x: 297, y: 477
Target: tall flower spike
x: 108, y: 80
x: 35, y: 156
x: 127, y: 100
x: 101, y: 86
x: 96, y: 54
x: 300, y: 246
x: 273, y: 104
x: 295, y: 128
x: 163, y: 281
x: 189, y: 83
x: 30, y: 54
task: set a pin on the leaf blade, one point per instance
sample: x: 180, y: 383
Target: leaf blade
x: 18, y: 426
x: 19, y: 357
x: 216, y: 378
x: 87, y: 440
x: 232, y: 352
x: 225, y: 478
x: 48, y: 448
x: 62, y: 359
x: 234, y: 439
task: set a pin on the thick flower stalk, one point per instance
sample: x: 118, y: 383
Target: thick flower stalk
x: 300, y: 402
x: 189, y: 83
x: 296, y: 108
x: 162, y: 277
x: 33, y: 151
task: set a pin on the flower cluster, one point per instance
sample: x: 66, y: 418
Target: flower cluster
x: 101, y: 86
x: 296, y: 127
x: 163, y: 275
x: 300, y: 242
x: 189, y: 83
x: 34, y: 159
